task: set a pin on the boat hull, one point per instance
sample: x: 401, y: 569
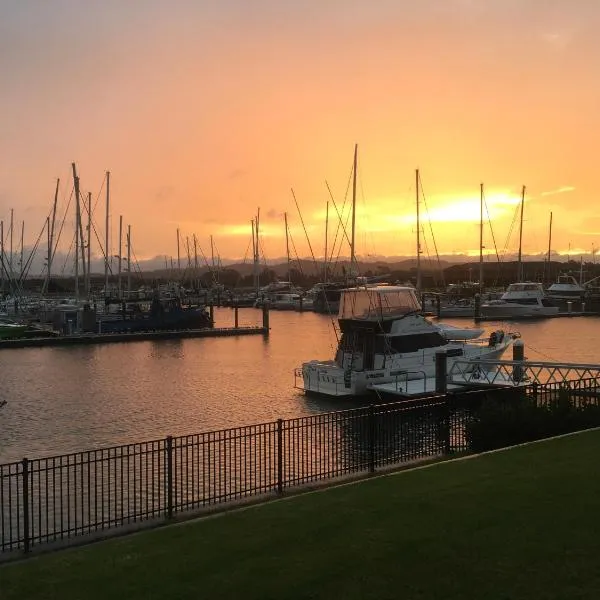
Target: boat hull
x: 515, y: 311
x: 328, y: 379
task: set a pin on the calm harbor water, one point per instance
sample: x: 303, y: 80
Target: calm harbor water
x: 67, y: 399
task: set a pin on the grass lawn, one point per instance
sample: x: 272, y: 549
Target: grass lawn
x: 524, y: 523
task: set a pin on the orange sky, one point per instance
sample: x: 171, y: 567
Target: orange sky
x: 204, y: 111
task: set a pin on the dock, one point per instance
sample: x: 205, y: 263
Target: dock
x: 540, y: 317
x: 142, y: 336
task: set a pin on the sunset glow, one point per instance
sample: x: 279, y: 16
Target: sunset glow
x: 203, y: 112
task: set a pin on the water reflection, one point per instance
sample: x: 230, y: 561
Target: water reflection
x: 66, y: 399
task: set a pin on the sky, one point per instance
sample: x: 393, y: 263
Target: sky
x: 205, y: 111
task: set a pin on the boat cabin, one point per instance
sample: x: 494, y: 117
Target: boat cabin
x: 376, y: 322
x: 526, y: 293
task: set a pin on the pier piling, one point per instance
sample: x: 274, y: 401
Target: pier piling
x: 518, y: 355
x: 265, y: 310
x: 441, y: 370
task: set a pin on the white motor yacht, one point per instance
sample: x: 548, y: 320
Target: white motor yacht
x: 384, y: 336
x: 521, y: 300
x: 566, y: 288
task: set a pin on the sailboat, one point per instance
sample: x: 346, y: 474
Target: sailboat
x: 525, y: 299
x: 326, y: 296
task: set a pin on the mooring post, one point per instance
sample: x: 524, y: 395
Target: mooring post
x: 569, y: 307
x: 235, y: 312
x: 518, y: 355
x: 300, y: 303
x: 211, y: 310
x: 583, y: 307
x: 441, y: 372
x: 265, y: 309
x: 477, y: 306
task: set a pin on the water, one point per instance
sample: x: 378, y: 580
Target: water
x: 74, y: 398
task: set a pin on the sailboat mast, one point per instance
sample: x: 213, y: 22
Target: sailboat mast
x: 77, y: 225
x: 253, y: 253
x: 481, y: 238
x: 417, y: 179
x: 119, y: 283
x: 549, y: 247
x: 178, y: 255
x: 352, y: 247
x: 326, y: 232
x: 520, y: 262
x: 10, y: 258
x: 287, y: 246
x: 51, y: 235
x: 196, y: 277
x: 22, y: 249
x: 107, y: 233
x: 46, y: 287
x: 88, y: 280
x: 128, y: 261
x: 257, y: 250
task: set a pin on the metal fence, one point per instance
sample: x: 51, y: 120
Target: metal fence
x: 46, y: 500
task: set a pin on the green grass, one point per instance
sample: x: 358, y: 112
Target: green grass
x: 516, y: 524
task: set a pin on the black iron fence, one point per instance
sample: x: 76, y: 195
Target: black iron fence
x: 46, y: 500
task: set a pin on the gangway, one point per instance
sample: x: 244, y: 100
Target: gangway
x: 518, y: 372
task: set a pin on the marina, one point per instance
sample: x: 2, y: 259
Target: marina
x: 119, y: 393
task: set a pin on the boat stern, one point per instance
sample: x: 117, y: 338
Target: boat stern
x: 326, y: 379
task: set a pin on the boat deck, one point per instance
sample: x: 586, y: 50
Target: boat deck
x: 419, y: 388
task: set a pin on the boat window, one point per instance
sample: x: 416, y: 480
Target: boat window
x: 377, y: 303
x: 521, y: 300
x: 413, y: 343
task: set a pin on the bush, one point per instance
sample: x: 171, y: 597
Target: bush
x: 500, y: 423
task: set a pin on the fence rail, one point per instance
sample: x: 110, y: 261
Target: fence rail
x: 46, y: 500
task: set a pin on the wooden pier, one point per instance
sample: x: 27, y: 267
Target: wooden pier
x: 142, y: 336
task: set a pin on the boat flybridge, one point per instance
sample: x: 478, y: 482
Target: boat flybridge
x: 384, y: 336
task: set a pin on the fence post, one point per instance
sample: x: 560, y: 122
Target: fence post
x: 169, y: 461
x: 371, y: 424
x: 25, y: 465
x: 447, y: 425
x: 280, y: 456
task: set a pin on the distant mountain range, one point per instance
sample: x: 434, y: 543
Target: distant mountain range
x: 63, y: 264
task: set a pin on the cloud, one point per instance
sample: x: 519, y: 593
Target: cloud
x: 561, y: 190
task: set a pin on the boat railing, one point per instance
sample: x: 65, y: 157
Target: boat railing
x: 403, y: 376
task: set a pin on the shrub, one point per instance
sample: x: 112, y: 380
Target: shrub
x: 498, y: 423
